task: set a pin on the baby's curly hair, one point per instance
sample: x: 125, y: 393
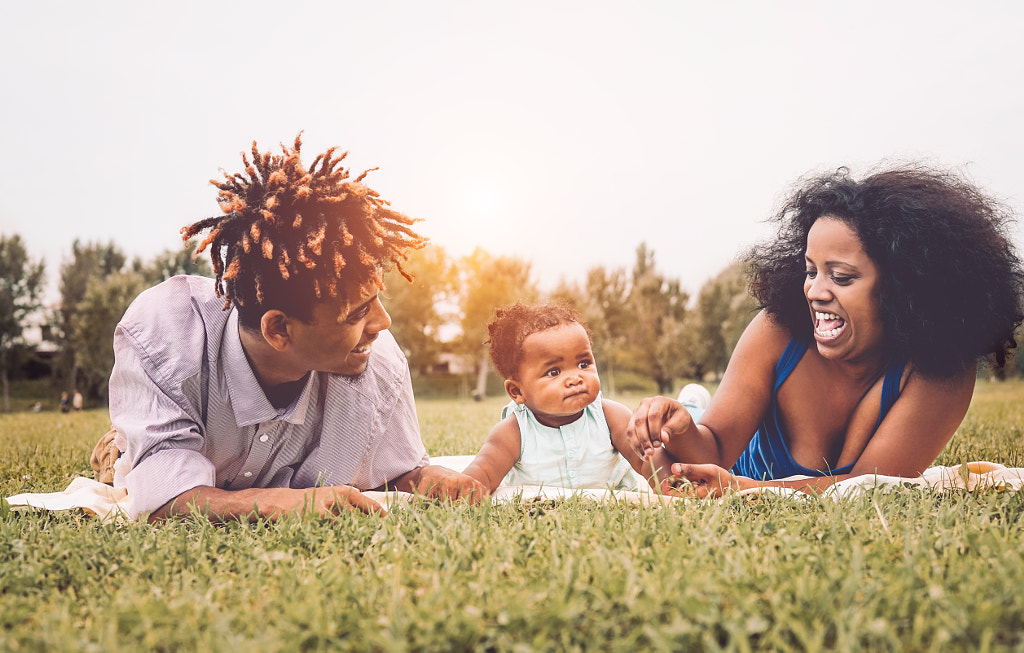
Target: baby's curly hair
x: 951, y: 281
x: 511, y: 325
x: 291, y: 237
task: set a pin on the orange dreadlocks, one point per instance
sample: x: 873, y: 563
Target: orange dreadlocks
x: 290, y: 235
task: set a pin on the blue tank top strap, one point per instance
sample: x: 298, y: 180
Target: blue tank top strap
x: 794, y: 351
x: 890, y: 389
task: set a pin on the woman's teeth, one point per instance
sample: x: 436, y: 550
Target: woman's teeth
x: 828, y: 325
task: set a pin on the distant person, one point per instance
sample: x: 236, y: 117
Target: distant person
x: 37, y: 407
x: 558, y: 431
x: 65, y: 405
x: 878, y: 297
x: 275, y: 389
x: 76, y: 401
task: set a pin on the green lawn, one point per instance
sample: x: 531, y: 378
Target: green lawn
x: 901, y: 571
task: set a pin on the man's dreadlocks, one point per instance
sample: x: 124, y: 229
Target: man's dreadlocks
x: 292, y: 237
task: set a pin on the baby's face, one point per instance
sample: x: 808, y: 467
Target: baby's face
x: 557, y: 377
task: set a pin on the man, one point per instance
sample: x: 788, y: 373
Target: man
x: 275, y: 389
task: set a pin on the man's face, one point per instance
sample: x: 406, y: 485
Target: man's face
x: 340, y: 343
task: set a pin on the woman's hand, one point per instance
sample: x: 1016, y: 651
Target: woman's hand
x: 657, y: 422
x: 702, y: 481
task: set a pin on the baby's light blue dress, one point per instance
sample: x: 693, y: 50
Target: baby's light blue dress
x: 578, y: 455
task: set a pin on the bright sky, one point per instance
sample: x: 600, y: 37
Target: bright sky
x: 563, y: 133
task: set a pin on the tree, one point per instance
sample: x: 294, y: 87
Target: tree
x: 21, y: 283
x: 723, y: 311
x: 105, y: 301
x: 417, y: 309
x: 656, y: 343
x: 87, y: 261
x: 488, y: 283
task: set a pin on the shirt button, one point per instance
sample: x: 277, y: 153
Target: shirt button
x: 571, y: 453
x: 247, y: 474
x: 264, y: 438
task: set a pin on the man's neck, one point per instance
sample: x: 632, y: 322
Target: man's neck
x: 280, y: 384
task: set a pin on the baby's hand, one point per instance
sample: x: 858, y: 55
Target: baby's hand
x: 701, y: 481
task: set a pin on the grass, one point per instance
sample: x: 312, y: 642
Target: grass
x: 908, y: 570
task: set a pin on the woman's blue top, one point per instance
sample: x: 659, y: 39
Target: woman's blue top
x: 767, y: 456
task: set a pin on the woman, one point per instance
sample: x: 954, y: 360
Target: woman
x: 878, y: 297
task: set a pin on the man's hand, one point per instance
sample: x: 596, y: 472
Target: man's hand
x: 327, y: 502
x: 655, y: 423
x: 701, y: 481
x: 440, y: 482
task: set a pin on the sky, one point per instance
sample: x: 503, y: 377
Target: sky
x: 561, y: 133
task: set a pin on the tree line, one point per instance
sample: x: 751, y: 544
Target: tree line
x: 642, y: 321
x: 96, y: 284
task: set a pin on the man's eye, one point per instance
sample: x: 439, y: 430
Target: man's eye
x: 358, y: 315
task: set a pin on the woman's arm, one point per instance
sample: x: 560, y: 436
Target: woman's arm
x: 662, y: 432
x: 498, y: 454
x: 918, y: 426
x: 913, y: 433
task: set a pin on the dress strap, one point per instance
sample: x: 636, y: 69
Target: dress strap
x: 795, y: 350
x: 890, y: 389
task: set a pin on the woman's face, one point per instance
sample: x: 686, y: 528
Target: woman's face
x: 841, y: 288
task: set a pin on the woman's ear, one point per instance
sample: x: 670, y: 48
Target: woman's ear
x: 514, y: 391
x: 275, y: 327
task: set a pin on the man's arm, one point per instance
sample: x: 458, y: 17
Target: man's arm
x: 162, y: 440
x: 269, y: 503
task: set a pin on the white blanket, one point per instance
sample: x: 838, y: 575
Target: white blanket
x: 108, y: 503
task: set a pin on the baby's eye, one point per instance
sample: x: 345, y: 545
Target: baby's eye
x: 552, y: 372
x: 584, y: 364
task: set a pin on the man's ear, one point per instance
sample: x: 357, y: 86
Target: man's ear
x: 514, y: 391
x: 276, y: 329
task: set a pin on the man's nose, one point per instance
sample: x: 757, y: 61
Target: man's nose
x: 379, y: 318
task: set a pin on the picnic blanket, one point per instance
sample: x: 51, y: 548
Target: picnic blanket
x: 108, y: 503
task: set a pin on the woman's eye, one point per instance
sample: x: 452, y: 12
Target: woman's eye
x: 841, y: 280
x: 811, y: 273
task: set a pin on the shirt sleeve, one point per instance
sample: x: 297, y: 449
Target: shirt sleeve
x: 162, y: 439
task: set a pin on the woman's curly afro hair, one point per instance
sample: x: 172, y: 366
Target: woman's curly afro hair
x: 951, y: 281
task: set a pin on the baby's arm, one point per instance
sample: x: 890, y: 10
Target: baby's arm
x: 498, y: 454
x: 618, y: 418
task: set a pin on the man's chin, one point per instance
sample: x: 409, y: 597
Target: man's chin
x: 352, y: 370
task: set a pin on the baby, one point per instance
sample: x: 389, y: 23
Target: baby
x: 557, y: 431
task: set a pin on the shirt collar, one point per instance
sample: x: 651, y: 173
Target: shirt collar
x: 247, y: 399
